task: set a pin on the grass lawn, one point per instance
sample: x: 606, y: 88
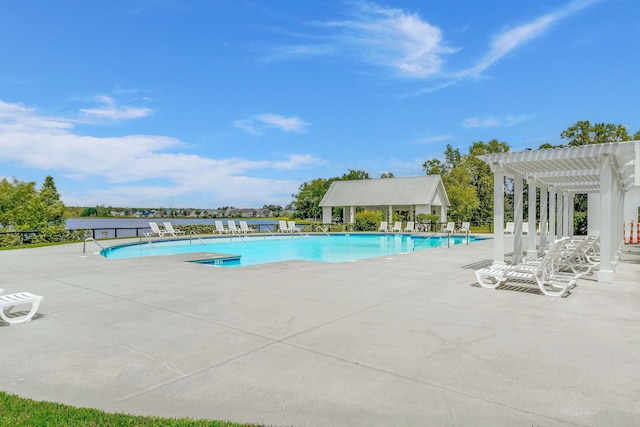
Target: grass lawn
x: 18, y: 412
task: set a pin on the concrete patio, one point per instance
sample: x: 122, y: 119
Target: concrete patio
x: 407, y: 340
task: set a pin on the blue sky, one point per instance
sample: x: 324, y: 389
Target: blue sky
x: 147, y: 103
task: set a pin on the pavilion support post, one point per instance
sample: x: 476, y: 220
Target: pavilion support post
x: 352, y: 214
x: 544, y: 198
x: 498, y: 213
x: 605, y: 274
x: 327, y: 217
x: 531, y: 237
x: 390, y: 217
x: 553, y: 226
x: 518, y: 189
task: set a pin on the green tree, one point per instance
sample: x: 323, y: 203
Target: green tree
x: 467, y: 179
x: 355, y: 174
x: 307, y: 201
x: 23, y: 207
x: 387, y: 175
x: 584, y: 133
x: 54, y: 208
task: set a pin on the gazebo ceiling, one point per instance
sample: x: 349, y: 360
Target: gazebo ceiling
x: 572, y: 169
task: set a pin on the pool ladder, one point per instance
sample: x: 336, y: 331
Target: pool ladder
x: 90, y: 239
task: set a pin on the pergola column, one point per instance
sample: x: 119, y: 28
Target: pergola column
x: 570, y: 211
x: 593, y: 213
x: 605, y: 274
x: 544, y: 198
x: 552, y: 212
x: 559, y: 212
x: 518, y: 189
x: 498, y: 213
x: 531, y: 236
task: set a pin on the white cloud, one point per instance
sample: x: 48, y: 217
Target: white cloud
x: 517, y: 36
x: 109, y: 110
x: 487, y: 121
x: 257, y: 125
x: 394, y: 38
x: 125, y: 165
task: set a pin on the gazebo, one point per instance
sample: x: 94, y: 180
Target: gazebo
x: 419, y: 194
x: 606, y: 172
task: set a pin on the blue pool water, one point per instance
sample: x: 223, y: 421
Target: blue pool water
x: 265, y: 249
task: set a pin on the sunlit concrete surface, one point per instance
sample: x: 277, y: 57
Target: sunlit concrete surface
x: 407, y: 340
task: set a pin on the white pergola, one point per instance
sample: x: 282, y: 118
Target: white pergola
x: 604, y: 171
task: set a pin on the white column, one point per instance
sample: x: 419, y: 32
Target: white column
x: 498, y: 213
x: 552, y: 213
x: 565, y: 214
x: 531, y: 237
x: 593, y: 213
x: 544, y: 198
x: 390, y: 218
x: 345, y: 215
x: 571, y: 207
x: 352, y: 215
x: 518, y: 190
x: 559, y: 211
x: 605, y: 274
x: 327, y: 217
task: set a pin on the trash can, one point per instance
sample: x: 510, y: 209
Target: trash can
x: 105, y: 234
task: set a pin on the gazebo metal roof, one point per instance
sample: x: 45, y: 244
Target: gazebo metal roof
x: 572, y: 169
x: 398, y: 192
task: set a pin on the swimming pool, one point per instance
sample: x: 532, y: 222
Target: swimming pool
x: 243, y: 251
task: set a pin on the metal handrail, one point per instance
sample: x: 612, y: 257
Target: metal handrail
x: 90, y: 239
x: 432, y: 235
x: 272, y: 235
x: 193, y: 233
x: 323, y: 229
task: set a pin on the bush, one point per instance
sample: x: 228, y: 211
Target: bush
x: 367, y: 221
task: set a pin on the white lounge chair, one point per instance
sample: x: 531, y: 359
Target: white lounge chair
x: 397, y: 227
x: 231, y: 225
x: 244, y: 227
x: 544, y: 273
x: 410, y: 227
x: 155, y: 230
x: 465, y: 228
x: 508, y: 229
x: 283, y: 227
x: 7, y: 302
x: 383, y: 227
x: 220, y: 228
x: 293, y: 228
x: 450, y: 228
x: 170, y: 230
x: 525, y: 227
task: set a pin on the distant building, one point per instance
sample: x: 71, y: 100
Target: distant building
x: 420, y: 194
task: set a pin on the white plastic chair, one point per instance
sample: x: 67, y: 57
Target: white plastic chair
x: 155, y: 230
x: 410, y: 227
x: 220, y: 228
x: 7, y: 302
x: 397, y: 227
x: 170, y: 230
x: 244, y: 227
x: 383, y: 226
x: 231, y: 225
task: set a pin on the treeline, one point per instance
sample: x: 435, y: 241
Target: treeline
x: 467, y: 179
x: 24, y: 207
